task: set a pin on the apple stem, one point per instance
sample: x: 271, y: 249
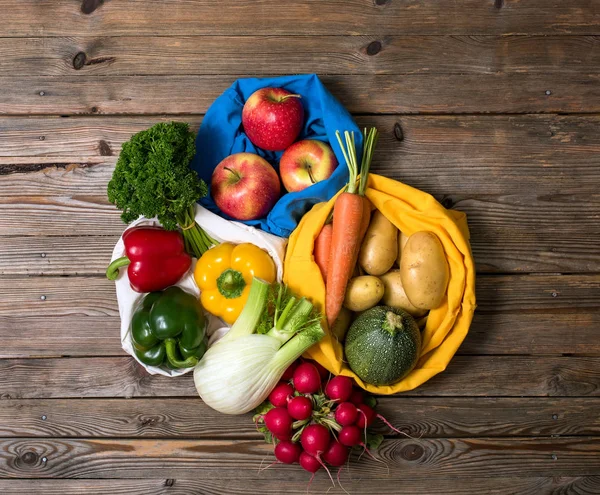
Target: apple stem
x: 283, y: 98
x: 310, y: 174
x: 233, y: 172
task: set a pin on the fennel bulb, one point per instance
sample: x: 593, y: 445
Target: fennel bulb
x: 238, y: 373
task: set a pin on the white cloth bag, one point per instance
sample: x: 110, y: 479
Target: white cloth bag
x: 219, y: 229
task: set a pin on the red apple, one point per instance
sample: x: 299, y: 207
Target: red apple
x: 245, y: 186
x: 273, y: 118
x: 305, y: 163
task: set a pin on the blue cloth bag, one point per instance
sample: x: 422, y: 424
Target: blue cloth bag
x: 221, y: 134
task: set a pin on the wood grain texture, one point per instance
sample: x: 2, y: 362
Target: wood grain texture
x: 548, y: 153
x: 378, y: 94
x: 509, y: 233
x: 406, y: 459
x: 190, y: 418
x: 170, y: 17
x: 537, y: 315
x: 271, y: 55
x: 468, y: 485
x: 476, y: 375
x: 546, y: 164
x: 56, y: 255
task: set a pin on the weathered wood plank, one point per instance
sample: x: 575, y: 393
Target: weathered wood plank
x: 545, y: 153
x: 64, y: 17
x: 56, y: 255
x: 191, y: 418
x: 477, y: 375
x: 44, y: 336
x: 406, y: 459
x: 549, y: 152
x: 466, y: 485
x: 524, y: 232
x: 270, y: 55
x: 380, y: 94
x: 537, y: 315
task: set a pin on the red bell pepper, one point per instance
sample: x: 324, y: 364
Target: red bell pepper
x: 156, y: 258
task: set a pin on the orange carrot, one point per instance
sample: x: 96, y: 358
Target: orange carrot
x: 323, y: 249
x: 349, y: 220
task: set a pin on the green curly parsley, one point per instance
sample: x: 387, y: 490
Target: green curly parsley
x: 153, y: 178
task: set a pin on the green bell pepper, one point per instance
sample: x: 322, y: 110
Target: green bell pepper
x: 169, y: 327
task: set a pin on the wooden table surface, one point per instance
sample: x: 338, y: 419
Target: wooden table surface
x: 491, y: 106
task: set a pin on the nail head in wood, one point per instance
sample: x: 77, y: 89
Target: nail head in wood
x: 44, y: 459
x: 554, y: 457
x: 43, y: 298
x: 42, y: 93
x: 554, y: 294
x: 44, y: 417
x: 548, y: 92
x: 169, y: 482
x: 555, y: 416
x: 43, y: 255
x: 42, y: 138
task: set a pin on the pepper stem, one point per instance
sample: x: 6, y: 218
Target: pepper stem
x: 112, y: 272
x: 231, y: 283
x: 174, y: 361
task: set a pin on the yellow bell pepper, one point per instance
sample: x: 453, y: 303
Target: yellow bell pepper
x: 224, y: 274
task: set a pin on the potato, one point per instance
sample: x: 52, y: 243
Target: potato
x: 394, y: 295
x: 363, y: 292
x: 379, y: 249
x: 402, y: 238
x: 341, y: 324
x: 424, y: 270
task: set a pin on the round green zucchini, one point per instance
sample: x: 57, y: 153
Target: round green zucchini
x: 382, y: 345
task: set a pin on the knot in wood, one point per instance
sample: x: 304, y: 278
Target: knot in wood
x: 170, y: 482
x: 447, y: 203
x: 29, y: 458
x: 88, y: 6
x: 398, y: 133
x: 104, y: 148
x: 412, y: 452
x: 79, y: 60
x: 381, y: 3
x: 374, y: 48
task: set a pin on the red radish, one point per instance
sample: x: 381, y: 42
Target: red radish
x: 339, y: 388
x: 279, y: 422
x: 300, y: 407
x: 315, y: 439
x: 287, y: 452
x: 280, y: 394
x: 289, y: 373
x: 336, y: 455
x: 350, y: 436
x: 323, y: 372
x: 357, y: 397
x: 366, y: 416
x: 307, y: 379
x: 284, y: 437
x: 309, y: 463
x: 346, y: 414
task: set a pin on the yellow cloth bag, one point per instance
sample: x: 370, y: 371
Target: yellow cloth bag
x: 411, y: 211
